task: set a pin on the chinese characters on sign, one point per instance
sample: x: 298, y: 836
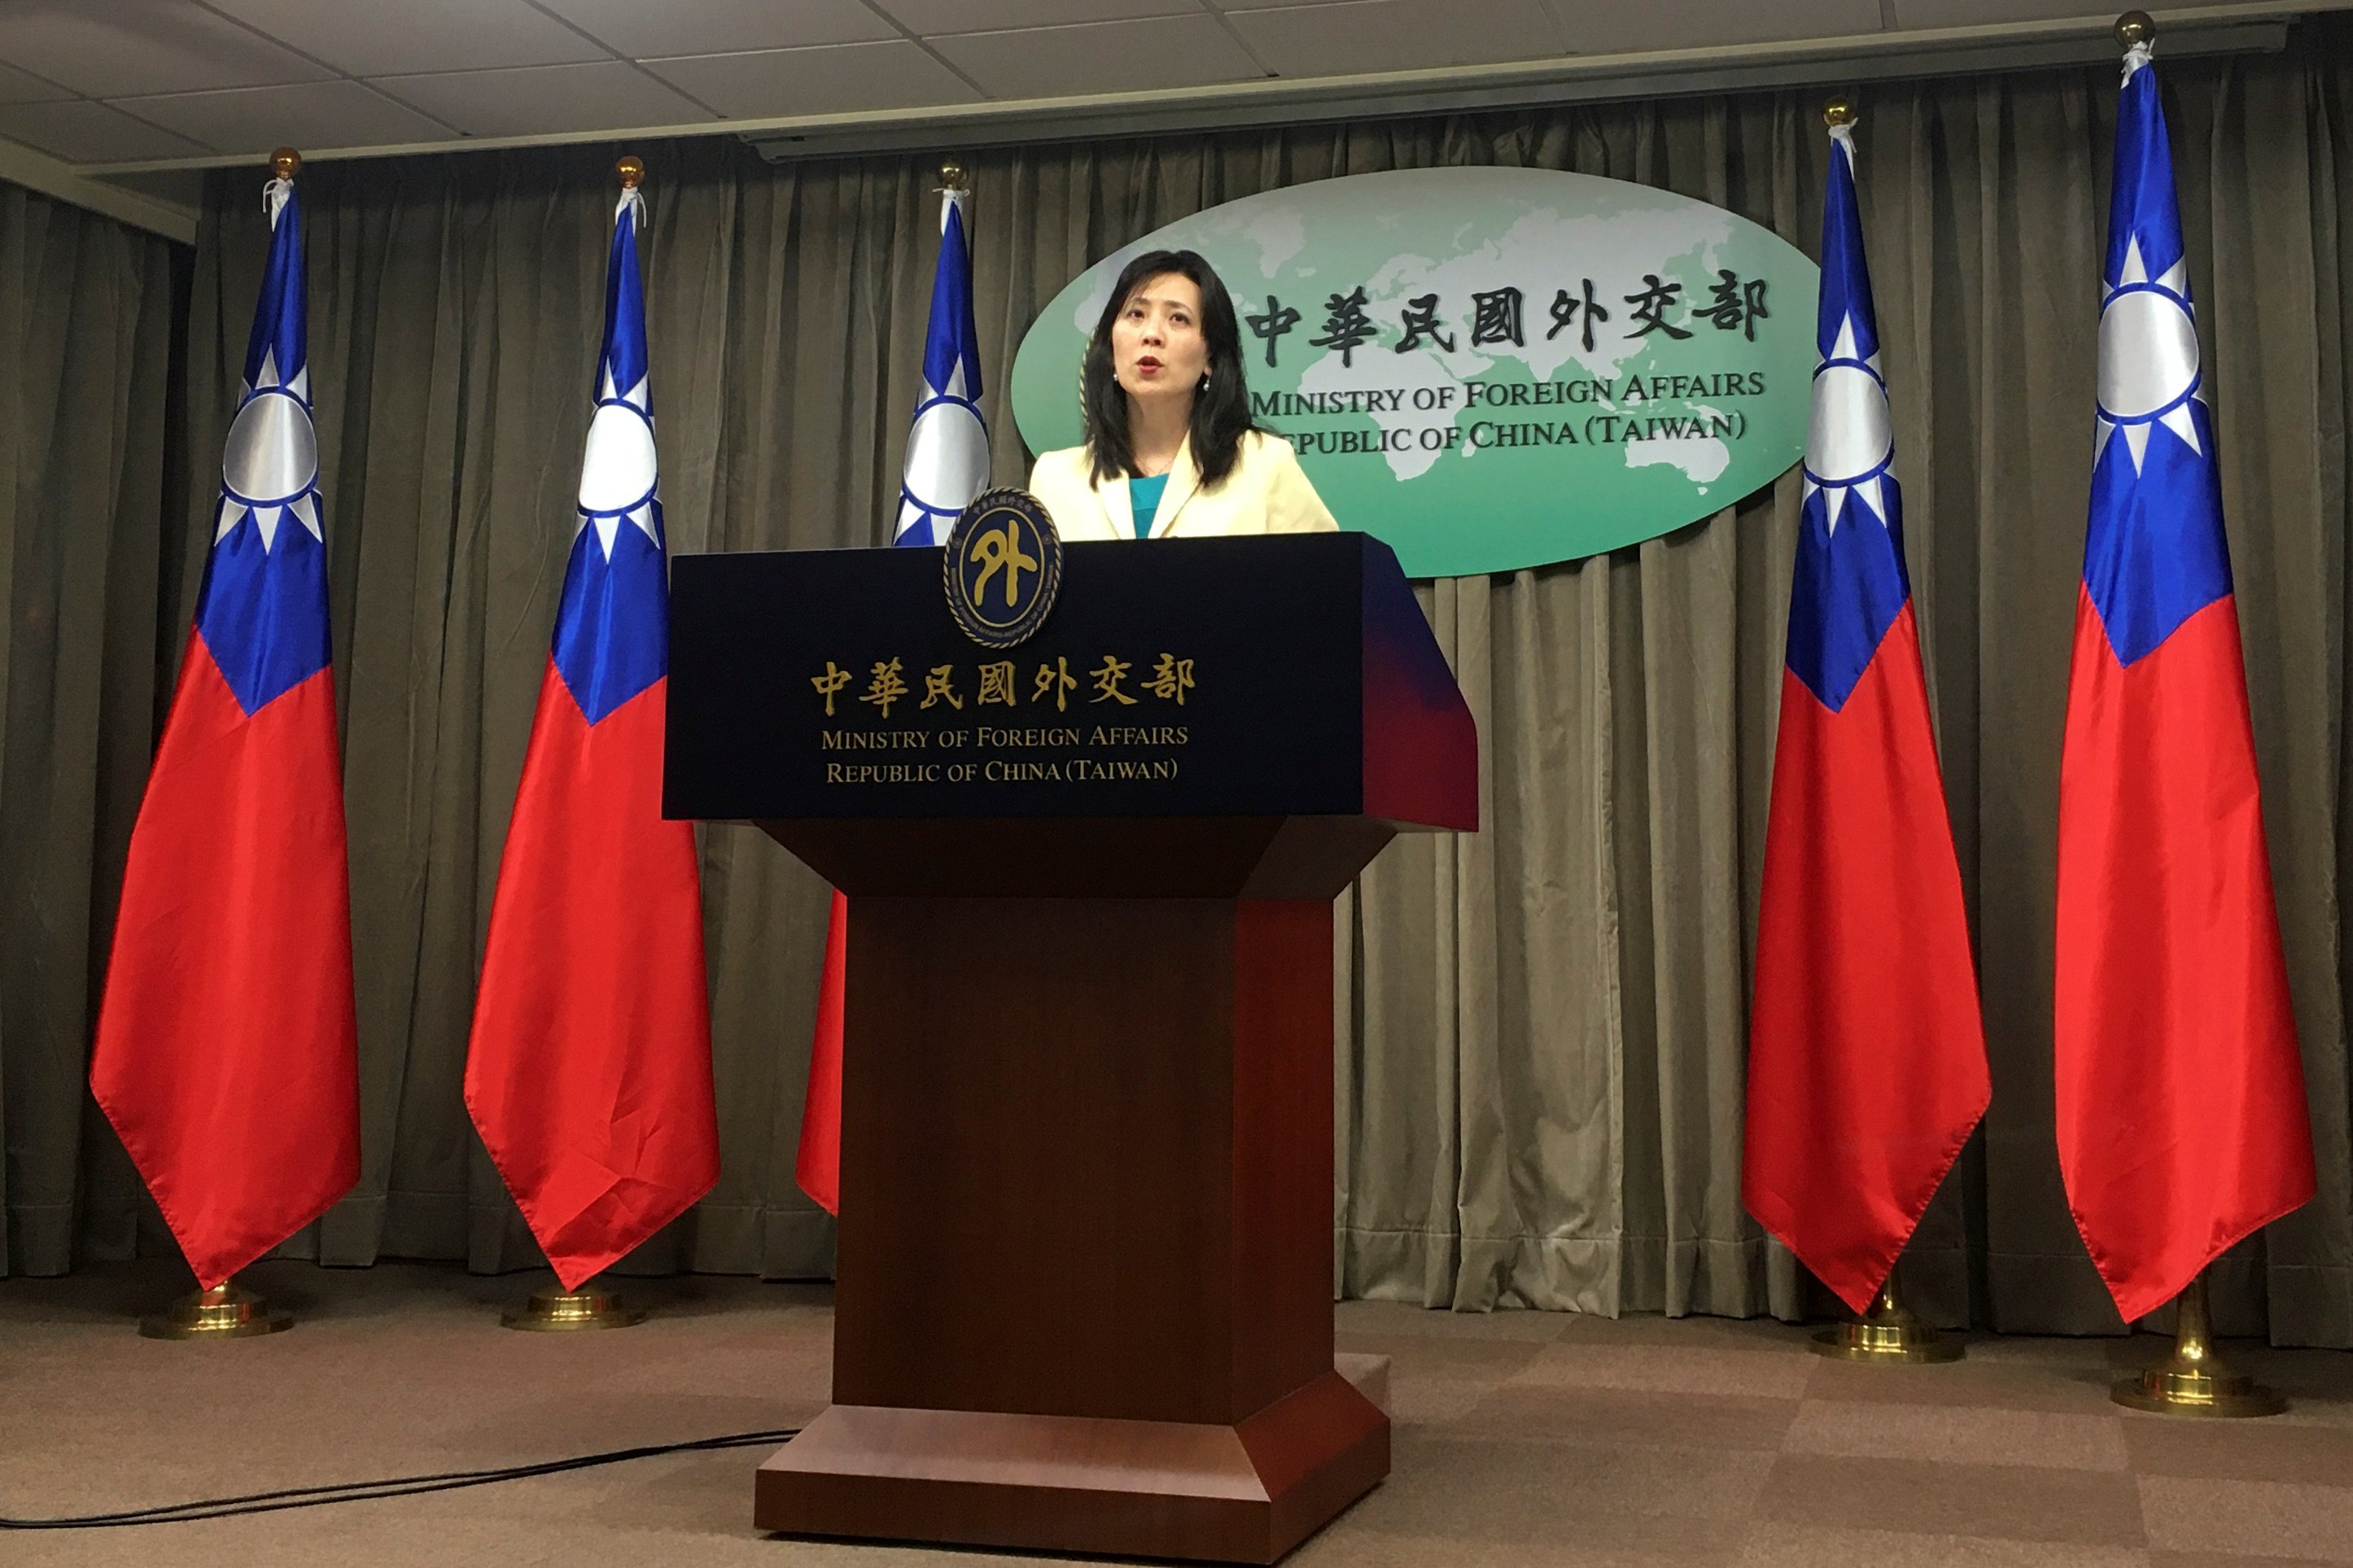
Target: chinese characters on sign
x: 1733, y: 305
x: 1169, y: 680
x: 885, y: 688
x: 1563, y: 311
x: 1344, y: 329
x: 1279, y: 318
x: 1618, y: 411
x: 1105, y: 750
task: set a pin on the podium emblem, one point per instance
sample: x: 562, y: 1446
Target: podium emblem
x: 1002, y: 566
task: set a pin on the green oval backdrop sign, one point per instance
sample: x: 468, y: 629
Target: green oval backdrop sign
x: 1490, y: 368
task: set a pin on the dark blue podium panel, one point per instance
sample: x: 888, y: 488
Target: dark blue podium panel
x: 1263, y: 677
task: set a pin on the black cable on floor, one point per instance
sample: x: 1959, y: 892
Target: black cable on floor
x: 391, y: 1487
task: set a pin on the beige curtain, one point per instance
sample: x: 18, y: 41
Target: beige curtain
x: 89, y: 350
x: 1542, y: 1027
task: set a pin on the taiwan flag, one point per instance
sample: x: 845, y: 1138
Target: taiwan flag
x: 227, y: 1056
x: 947, y: 465
x: 589, y: 1072
x: 1866, y: 1058
x: 2179, y: 1092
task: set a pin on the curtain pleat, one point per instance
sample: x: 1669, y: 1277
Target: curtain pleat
x: 89, y: 350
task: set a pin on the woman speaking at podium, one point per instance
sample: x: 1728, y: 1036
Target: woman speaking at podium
x: 1170, y: 449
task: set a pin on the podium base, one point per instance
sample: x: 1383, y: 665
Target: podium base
x: 1086, y: 1485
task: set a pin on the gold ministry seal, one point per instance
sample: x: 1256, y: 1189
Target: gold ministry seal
x: 1002, y: 563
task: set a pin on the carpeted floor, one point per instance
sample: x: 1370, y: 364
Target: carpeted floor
x: 1520, y: 1438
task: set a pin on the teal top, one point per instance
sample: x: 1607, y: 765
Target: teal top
x: 1144, y: 494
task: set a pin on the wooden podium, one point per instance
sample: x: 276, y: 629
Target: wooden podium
x: 1085, y: 1256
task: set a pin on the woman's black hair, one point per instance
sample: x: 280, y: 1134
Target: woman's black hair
x: 1221, y: 405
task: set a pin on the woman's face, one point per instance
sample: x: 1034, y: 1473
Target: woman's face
x: 1156, y: 347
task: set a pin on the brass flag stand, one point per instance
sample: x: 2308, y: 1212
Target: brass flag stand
x: 574, y: 1311
x: 2193, y: 1380
x: 1889, y: 1334
x: 563, y: 1311
x: 225, y: 1311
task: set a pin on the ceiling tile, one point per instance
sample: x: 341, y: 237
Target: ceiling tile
x: 116, y: 48
x: 1979, y: 13
x: 15, y: 87
x: 1595, y: 29
x: 1972, y: 13
x: 306, y: 115
x: 934, y: 17
x: 80, y: 132
x: 835, y: 79
x: 181, y: 187
x: 674, y: 28
x: 1397, y: 35
x: 417, y: 34
x: 536, y: 101
x: 1100, y: 57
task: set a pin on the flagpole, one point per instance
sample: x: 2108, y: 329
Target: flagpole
x: 587, y: 1308
x: 228, y: 1310
x: 2193, y: 1380
x: 1831, y: 1225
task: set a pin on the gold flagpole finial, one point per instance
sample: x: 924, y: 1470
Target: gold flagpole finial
x: 2136, y: 27
x: 632, y: 170
x: 951, y: 175
x: 284, y: 162
x: 1837, y: 111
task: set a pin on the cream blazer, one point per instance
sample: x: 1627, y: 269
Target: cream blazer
x: 1267, y: 492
